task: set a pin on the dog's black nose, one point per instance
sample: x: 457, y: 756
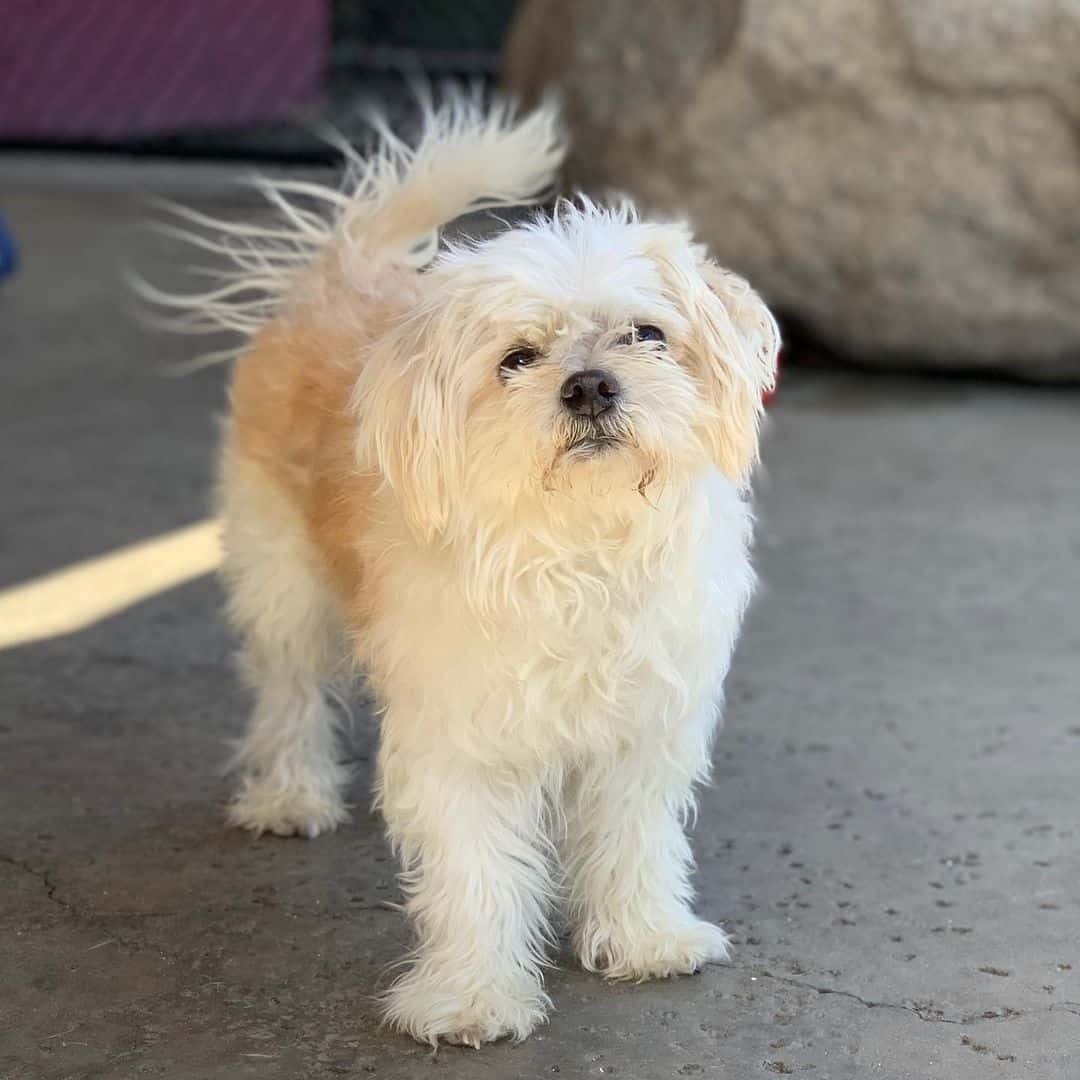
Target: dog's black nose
x: 589, y: 393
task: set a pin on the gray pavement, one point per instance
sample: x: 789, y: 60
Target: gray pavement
x: 893, y: 835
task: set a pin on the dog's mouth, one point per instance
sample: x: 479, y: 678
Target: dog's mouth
x: 595, y: 440
x: 594, y: 444
x: 603, y: 437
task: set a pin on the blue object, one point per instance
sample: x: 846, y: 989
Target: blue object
x: 8, y: 257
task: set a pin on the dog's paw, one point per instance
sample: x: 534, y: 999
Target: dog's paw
x: 431, y: 1011
x: 654, y: 954
x: 293, y: 811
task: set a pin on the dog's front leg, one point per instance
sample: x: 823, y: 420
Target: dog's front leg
x: 628, y: 865
x: 478, y: 885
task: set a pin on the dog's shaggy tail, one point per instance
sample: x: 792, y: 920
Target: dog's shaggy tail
x: 389, y: 208
x: 469, y: 157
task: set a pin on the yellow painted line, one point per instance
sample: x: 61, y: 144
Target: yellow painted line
x: 80, y: 595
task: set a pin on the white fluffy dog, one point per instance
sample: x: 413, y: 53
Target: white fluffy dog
x: 506, y: 480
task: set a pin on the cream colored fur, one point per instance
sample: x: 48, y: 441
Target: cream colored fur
x: 547, y: 624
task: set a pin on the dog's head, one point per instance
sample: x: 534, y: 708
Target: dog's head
x: 588, y: 356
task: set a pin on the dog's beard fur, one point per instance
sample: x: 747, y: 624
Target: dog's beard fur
x: 545, y: 604
x: 584, y: 446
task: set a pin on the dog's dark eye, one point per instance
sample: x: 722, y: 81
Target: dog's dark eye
x: 645, y: 332
x: 519, y: 358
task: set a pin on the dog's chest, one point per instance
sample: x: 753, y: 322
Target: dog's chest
x: 544, y: 654
x: 600, y: 657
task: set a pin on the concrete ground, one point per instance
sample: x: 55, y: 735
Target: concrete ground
x: 893, y: 835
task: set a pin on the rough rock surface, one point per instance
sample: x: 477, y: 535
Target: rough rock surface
x: 904, y: 178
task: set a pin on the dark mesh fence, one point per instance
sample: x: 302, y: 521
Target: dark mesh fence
x: 376, y: 47
x: 459, y: 37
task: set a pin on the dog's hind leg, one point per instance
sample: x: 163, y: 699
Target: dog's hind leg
x: 291, y: 778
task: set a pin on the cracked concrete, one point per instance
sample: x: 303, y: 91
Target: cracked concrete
x: 893, y: 836
x: 927, y: 1012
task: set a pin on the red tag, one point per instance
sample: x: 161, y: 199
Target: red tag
x: 770, y: 394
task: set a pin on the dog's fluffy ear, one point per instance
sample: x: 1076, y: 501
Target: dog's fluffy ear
x: 735, y: 342
x: 741, y: 342
x: 408, y: 422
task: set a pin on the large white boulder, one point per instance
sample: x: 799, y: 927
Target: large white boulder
x: 903, y: 176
